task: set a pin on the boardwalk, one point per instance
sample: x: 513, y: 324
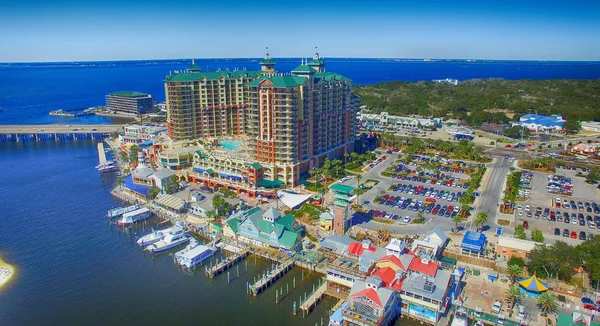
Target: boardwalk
x: 314, y: 298
x: 225, y: 264
x: 59, y: 129
x: 271, y: 277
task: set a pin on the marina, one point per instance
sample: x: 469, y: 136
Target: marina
x: 72, y: 113
x: 270, y: 277
x: 225, y: 264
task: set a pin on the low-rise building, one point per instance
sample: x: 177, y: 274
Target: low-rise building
x: 473, y: 243
x: 326, y: 221
x: 432, y: 245
x: 268, y: 229
x: 541, y: 123
x: 509, y: 247
x: 140, y: 133
x: 370, y: 303
x: 130, y: 102
x: 385, y: 119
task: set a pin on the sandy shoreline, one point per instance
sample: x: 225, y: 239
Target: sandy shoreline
x: 6, y: 273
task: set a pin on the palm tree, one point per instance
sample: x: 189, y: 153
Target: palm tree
x: 480, y: 219
x: 515, y: 271
x: 514, y: 294
x: 456, y: 219
x: 346, y: 155
x: 548, y: 302
x: 358, y: 176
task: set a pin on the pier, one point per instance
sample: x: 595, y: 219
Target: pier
x: 270, y: 278
x: 309, y: 302
x: 39, y: 133
x: 101, y: 153
x: 225, y: 264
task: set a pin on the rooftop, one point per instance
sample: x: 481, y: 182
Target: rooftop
x: 128, y: 94
x: 509, y: 242
x: 278, y: 81
x: 211, y: 75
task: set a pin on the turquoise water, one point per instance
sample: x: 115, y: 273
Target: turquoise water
x: 230, y: 145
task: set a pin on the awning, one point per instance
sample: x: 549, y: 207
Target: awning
x: 224, y: 175
x: 234, y: 177
x: 292, y: 200
x: 199, y: 170
x: 269, y: 183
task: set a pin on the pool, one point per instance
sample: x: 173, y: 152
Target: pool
x: 230, y: 145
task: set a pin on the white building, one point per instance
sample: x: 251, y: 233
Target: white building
x: 139, y: 133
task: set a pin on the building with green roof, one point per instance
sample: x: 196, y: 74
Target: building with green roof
x: 292, y: 121
x: 130, y: 102
x: 267, y: 228
x: 342, y: 197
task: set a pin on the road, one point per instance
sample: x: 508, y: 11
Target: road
x: 491, y: 193
x: 58, y: 129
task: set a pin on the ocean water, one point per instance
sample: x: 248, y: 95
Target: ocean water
x: 28, y: 92
x: 73, y: 268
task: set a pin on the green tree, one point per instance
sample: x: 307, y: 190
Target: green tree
x: 548, y: 302
x: 515, y: 271
x: 120, y: 181
x: 480, y: 219
x: 572, y: 126
x: 174, y: 185
x: 537, y: 236
x: 554, y: 261
x: 516, y: 132
x: 124, y: 157
x: 520, y: 232
x: 153, y: 192
x: 593, y: 175
x: 514, y: 294
x: 516, y: 261
x: 456, y: 219
x: 133, y: 153
x: 219, y: 204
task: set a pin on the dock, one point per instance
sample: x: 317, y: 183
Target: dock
x: 101, y: 153
x: 270, y: 278
x: 225, y: 264
x: 314, y: 298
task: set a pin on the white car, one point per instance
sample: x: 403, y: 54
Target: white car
x: 574, y: 221
x: 557, y: 200
x: 519, y: 207
x: 528, y: 208
x: 497, y: 306
x: 406, y: 219
x: 520, y: 213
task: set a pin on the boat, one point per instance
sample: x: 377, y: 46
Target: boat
x: 119, y: 211
x: 107, y: 163
x: 153, y: 237
x: 134, y: 216
x: 174, y: 238
x: 194, y: 254
x: 108, y: 168
x: 460, y: 317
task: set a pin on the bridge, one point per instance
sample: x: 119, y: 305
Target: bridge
x: 54, y: 132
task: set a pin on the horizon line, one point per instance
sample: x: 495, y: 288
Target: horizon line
x: 258, y: 58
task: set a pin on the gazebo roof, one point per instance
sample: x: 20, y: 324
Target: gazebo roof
x: 533, y: 284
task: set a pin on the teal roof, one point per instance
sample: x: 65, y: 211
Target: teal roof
x: 279, y: 81
x: 193, y: 68
x: 265, y: 226
x: 201, y: 154
x: 288, y: 239
x: 253, y: 210
x: 234, y: 224
x: 304, y: 69
x: 256, y: 166
x: 211, y: 75
x: 331, y: 76
x: 289, y: 223
x: 269, y: 183
x: 129, y: 94
x: 210, y: 171
x: 316, y: 62
x: 267, y: 61
x: 341, y: 188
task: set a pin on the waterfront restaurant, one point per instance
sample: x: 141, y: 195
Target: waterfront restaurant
x: 268, y: 229
x: 370, y: 303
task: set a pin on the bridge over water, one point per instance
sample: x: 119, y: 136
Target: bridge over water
x: 54, y: 132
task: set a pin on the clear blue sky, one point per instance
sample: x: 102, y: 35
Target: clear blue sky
x: 131, y: 29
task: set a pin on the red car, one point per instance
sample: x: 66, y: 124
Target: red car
x: 573, y: 235
x: 430, y: 200
x: 526, y: 224
x: 507, y: 146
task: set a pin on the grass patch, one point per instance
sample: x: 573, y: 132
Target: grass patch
x: 382, y: 220
x: 308, y: 212
x: 311, y: 237
x: 504, y: 222
x: 316, y: 187
x: 418, y: 221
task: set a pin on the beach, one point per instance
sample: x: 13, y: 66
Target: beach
x: 6, y: 273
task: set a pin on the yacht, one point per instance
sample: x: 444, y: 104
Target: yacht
x: 194, y: 254
x: 175, y: 237
x: 460, y: 317
x: 119, y: 211
x: 134, y: 216
x: 153, y: 237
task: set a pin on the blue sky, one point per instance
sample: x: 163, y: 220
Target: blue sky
x: 113, y: 30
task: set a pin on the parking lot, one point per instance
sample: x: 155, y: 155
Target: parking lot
x: 548, y: 212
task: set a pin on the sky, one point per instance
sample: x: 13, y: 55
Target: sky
x: 454, y: 29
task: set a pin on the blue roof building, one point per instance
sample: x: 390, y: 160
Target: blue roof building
x: 537, y: 123
x: 473, y: 242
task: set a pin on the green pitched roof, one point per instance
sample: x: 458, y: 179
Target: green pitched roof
x: 253, y: 210
x: 234, y: 224
x: 269, y: 183
x: 255, y: 165
x: 129, y: 94
x: 304, y: 69
x: 288, y: 239
x: 316, y: 62
x: 341, y: 188
x: 201, y: 154
x: 194, y: 68
x: 267, y: 61
x: 209, y: 171
x: 265, y: 226
x: 289, y: 223
x: 331, y: 76
x: 211, y: 75
x: 279, y: 81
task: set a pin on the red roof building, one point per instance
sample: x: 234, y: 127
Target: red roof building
x: 370, y: 294
x: 423, y: 266
x: 357, y: 248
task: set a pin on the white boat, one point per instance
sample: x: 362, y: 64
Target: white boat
x: 153, y: 237
x: 174, y: 238
x: 119, y: 211
x: 135, y: 216
x: 460, y: 317
x: 194, y: 254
